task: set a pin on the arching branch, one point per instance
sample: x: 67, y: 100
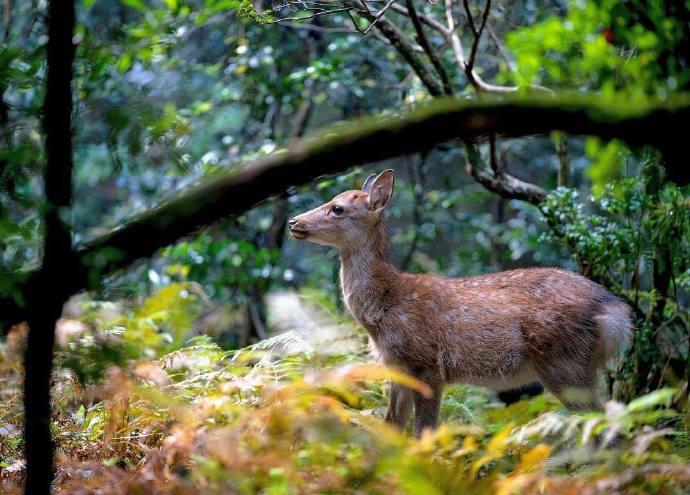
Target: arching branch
x: 364, y: 141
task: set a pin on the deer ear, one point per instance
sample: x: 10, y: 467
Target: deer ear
x: 381, y: 190
x: 366, y: 187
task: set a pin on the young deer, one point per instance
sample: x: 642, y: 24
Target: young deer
x: 501, y: 331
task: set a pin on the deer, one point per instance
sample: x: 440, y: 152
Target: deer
x: 501, y: 330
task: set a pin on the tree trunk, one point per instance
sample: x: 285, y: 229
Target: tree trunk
x: 45, y: 303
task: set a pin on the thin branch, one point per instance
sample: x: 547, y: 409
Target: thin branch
x: 475, y: 80
x: 500, y: 48
x: 563, y: 159
x: 354, y: 23
x: 377, y: 16
x: 396, y: 38
x: 476, y: 32
x: 429, y: 21
x: 7, y: 20
x: 426, y: 46
x: 494, y: 162
x: 470, y: 19
x: 504, y: 185
x: 304, y: 112
x: 255, y: 315
x: 417, y: 175
x: 317, y: 14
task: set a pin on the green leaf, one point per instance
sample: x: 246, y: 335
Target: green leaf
x: 135, y: 4
x: 661, y: 397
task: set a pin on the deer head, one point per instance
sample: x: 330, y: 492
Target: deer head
x: 349, y: 218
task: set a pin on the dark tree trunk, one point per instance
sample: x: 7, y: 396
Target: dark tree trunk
x: 51, y: 291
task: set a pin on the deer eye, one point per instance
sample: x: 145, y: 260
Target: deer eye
x: 337, y: 210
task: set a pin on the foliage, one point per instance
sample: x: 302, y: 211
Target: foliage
x: 285, y: 417
x: 584, y: 49
x: 169, y: 91
x: 616, y: 243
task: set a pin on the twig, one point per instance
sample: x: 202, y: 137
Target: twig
x: 429, y: 21
x: 317, y: 14
x: 563, y: 160
x: 476, y: 32
x: 494, y: 162
x: 7, y: 19
x: 354, y: 23
x: 396, y: 38
x: 378, y: 15
x: 426, y: 46
x: 474, y: 79
x: 500, y: 48
x: 418, y: 180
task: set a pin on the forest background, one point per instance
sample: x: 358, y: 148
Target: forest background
x: 152, y: 152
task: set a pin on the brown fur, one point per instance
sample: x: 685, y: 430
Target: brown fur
x: 501, y: 330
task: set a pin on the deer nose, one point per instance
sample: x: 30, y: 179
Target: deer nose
x: 292, y: 223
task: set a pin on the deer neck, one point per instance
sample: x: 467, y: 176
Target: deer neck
x: 367, y: 277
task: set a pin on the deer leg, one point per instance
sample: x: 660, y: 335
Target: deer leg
x: 426, y: 410
x: 573, y: 384
x: 399, y: 406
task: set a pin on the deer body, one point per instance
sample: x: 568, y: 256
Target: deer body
x: 502, y: 330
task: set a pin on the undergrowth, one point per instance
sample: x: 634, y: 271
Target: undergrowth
x: 283, y: 417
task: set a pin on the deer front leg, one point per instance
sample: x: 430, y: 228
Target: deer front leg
x: 426, y: 410
x: 399, y: 406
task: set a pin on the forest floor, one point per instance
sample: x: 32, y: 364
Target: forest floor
x: 301, y: 413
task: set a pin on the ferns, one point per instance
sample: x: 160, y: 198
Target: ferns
x: 278, y: 417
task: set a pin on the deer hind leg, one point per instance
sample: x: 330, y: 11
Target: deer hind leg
x: 426, y: 409
x: 399, y: 406
x: 572, y: 382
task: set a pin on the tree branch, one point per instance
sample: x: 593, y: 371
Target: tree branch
x: 475, y: 80
x: 429, y: 21
x: 424, y: 43
x: 311, y: 16
x: 499, y: 182
x: 367, y: 140
x: 563, y: 160
x: 476, y: 32
x: 500, y: 48
x: 397, y: 39
x: 506, y: 186
x: 417, y: 176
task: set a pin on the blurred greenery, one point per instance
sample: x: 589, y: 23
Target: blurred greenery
x: 181, y: 373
